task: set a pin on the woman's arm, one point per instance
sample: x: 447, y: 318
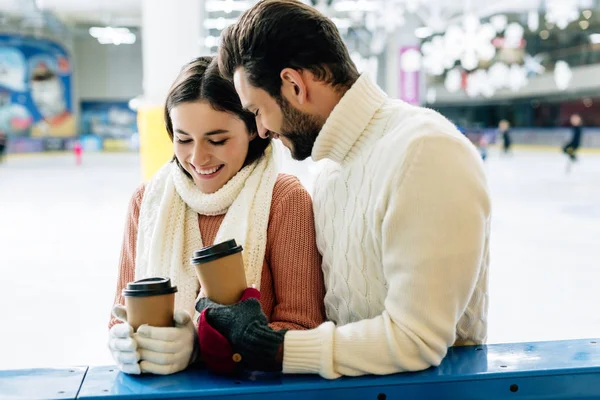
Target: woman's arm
x: 293, y: 258
x: 127, y: 261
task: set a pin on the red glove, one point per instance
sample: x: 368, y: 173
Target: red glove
x: 215, y: 349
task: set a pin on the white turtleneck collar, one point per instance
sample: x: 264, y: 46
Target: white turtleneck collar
x: 348, y: 120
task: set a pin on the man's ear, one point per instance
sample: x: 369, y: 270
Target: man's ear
x: 293, y: 86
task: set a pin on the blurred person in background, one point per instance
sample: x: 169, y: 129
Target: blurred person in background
x: 223, y: 176
x: 571, y: 147
x: 482, y: 145
x: 504, y: 130
x: 78, y: 151
x: 402, y: 207
x: 3, y: 145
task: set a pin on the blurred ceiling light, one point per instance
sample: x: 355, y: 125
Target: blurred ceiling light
x: 386, y: 18
x: 435, y: 16
x: 391, y: 20
x: 562, y: 75
x: 587, y: 14
x: 469, y: 60
x: 357, y: 5
x: 584, y: 24
x: 453, y: 81
x: 470, y: 43
x: 431, y: 96
x: 412, y: 6
x: 410, y: 60
x: 533, y: 65
x: 499, y: 22
x: 478, y: 83
x: 218, y: 23
x: 434, y: 56
x: 595, y: 38
x: 562, y: 12
x: 498, y: 74
x: 517, y: 78
x: 477, y: 43
x: 513, y: 36
x: 342, y: 23
x: 134, y: 104
x: 111, y: 35
x: 423, y: 32
x: 226, y: 6
x: 378, y: 41
x: 533, y: 21
x: 453, y: 41
x: 211, y: 41
x: 365, y: 64
x: 544, y: 34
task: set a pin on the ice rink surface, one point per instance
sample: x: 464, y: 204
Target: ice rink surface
x: 61, y: 228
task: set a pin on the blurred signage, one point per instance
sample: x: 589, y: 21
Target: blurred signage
x: 409, y: 80
x: 35, y: 88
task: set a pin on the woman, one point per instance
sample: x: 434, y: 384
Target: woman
x: 222, y: 183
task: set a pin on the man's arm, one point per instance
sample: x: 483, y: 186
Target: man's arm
x: 434, y: 241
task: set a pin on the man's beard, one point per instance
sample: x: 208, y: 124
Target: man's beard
x: 300, y: 129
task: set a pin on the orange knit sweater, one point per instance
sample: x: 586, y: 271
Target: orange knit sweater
x: 292, y: 288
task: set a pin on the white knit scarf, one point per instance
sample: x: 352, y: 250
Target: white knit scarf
x: 169, y: 233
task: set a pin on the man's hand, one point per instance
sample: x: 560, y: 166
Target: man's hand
x: 245, y: 327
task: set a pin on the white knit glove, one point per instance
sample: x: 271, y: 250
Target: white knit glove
x: 164, y: 351
x: 121, y: 343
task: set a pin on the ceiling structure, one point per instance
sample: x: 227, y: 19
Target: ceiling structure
x: 486, y: 38
x: 128, y: 12
x: 104, y: 12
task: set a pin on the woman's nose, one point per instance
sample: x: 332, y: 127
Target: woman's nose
x: 201, y: 156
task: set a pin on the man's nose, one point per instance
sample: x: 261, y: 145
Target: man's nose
x: 262, y: 131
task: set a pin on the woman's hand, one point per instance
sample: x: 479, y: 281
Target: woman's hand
x: 165, y: 351
x: 121, y: 343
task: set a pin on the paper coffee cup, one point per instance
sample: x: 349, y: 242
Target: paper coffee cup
x: 220, y: 270
x: 150, y: 301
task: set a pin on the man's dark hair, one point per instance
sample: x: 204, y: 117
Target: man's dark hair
x: 278, y: 34
x: 200, y: 80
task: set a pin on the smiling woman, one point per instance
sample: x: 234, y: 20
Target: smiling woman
x: 222, y: 183
x: 210, y: 145
x: 203, y: 114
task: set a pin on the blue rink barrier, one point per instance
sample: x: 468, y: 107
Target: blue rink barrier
x: 46, y: 383
x: 542, y: 370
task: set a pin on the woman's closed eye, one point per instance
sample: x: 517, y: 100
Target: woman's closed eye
x: 218, y: 142
x: 183, y: 141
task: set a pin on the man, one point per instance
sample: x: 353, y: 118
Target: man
x: 2, y: 146
x: 402, y: 209
x: 570, y: 149
x: 504, y: 130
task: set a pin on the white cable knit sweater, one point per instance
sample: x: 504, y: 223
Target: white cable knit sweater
x: 402, y: 213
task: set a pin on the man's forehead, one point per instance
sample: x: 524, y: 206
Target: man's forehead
x: 249, y: 95
x: 241, y: 85
x: 240, y: 78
